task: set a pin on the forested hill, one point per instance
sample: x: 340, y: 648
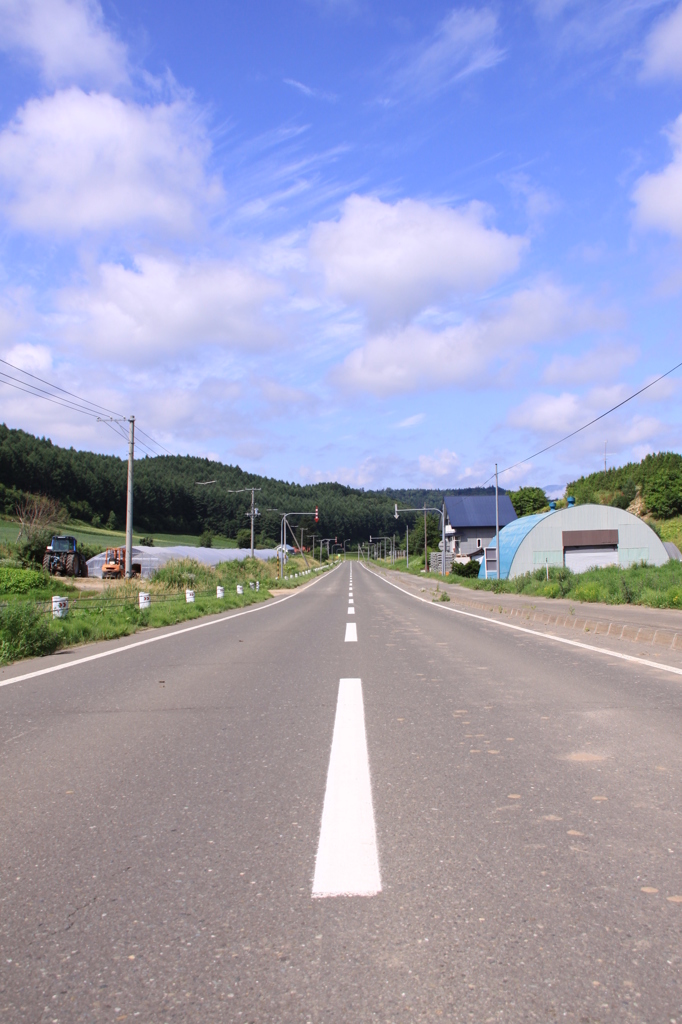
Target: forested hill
x: 657, y: 479
x: 167, y: 498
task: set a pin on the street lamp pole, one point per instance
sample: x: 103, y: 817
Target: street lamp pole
x: 438, y: 511
x: 497, y: 523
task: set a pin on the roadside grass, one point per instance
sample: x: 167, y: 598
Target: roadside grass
x: 671, y: 529
x: 650, y: 585
x: 28, y: 630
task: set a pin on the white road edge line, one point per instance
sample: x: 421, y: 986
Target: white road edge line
x: 533, y: 632
x: 162, y: 636
x: 347, y: 862
x: 351, y: 636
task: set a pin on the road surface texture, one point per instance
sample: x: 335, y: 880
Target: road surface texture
x: 177, y: 816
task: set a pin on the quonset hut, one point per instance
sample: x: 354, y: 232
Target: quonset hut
x: 579, y: 537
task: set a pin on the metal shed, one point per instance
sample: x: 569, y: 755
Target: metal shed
x: 579, y: 537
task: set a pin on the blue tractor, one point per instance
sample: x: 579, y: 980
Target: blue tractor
x: 62, y: 559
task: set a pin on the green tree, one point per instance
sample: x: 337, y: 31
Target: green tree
x: 244, y: 538
x: 663, y: 493
x: 528, y: 500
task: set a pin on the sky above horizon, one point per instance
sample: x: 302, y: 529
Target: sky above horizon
x: 389, y: 244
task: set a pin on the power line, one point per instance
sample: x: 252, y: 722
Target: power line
x: 73, y: 402
x: 150, y: 438
x: 586, y: 425
x: 55, y: 387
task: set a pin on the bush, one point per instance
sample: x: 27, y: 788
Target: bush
x: 469, y: 570
x: 206, y: 539
x: 32, y: 548
x: 25, y: 633
x: 244, y: 538
x: 22, y: 581
x: 148, y: 542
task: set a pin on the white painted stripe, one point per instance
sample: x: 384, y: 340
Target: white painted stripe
x: 534, y: 632
x: 351, y: 632
x: 351, y: 610
x: 347, y: 862
x: 161, y: 636
x: 351, y: 601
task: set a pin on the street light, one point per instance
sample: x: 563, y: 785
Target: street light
x: 283, y: 534
x: 425, y: 509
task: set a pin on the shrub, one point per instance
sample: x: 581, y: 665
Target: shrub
x: 469, y: 570
x: 25, y: 633
x: 148, y: 542
x: 206, y: 539
x: 244, y: 538
x: 21, y: 581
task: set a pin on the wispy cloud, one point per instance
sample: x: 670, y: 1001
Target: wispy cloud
x: 411, y: 421
x: 593, y: 24
x: 463, y: 44
x: 307, y: 90
x: 658, y: 197
x: 663, y: 47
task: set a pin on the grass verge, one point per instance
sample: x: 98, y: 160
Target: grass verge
x: 655, y: 586
x: 27, y: 629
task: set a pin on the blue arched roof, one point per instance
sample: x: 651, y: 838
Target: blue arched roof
x: 511, y: 537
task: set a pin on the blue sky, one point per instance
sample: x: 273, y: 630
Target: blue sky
x: 382, y: 243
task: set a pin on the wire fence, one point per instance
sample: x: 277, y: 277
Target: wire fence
x: 61, y: 607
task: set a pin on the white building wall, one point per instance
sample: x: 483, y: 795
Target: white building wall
x: 636, y: 541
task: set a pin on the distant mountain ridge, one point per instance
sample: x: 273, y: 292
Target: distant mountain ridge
x: 167, y: 499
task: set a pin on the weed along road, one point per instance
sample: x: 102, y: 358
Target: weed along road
x: 350, y: 805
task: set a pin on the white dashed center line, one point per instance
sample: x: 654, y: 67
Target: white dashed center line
x: 347, y: 862
x: 351, y: 610
x: 351, y: 633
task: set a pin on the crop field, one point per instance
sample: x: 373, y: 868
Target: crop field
x: 93, y: 537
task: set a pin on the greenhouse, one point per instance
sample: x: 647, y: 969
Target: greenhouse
x: 579, y: 537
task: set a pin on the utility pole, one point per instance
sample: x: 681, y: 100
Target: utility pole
x: 253, y: 513
x: 407, y: 541
x: 443, y: 524
x: 497, y: 523
x: 604, y: 456
x: 426, y: 568
x: 129, y: 508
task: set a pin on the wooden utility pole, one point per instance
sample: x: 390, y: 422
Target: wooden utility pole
x: 426, y: 568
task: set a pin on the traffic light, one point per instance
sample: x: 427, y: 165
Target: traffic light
x: 317, y: 518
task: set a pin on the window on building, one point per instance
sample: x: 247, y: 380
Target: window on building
x: 479, y: 543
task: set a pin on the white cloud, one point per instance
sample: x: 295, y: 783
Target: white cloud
x: 77, y: 162
x: 307, y: 90
x: 463, y: 44
x: 602, y: 363
x: 551, y: 416
x: 33, y: 358
x: 67, y: 38
x: 396, y: 259
x: 658, y: 197
x: 162, y: 308
x: 411, y: 421
x: 441, y: 464
x: 593, y: 24
x: 663, y: 48
x: 414, y: 357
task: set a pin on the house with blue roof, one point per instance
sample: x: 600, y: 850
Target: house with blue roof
x: 470, y: 526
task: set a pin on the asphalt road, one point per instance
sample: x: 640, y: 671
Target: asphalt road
x: 161, y: 813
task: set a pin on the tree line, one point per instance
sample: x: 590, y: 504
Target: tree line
x: 169, y: 497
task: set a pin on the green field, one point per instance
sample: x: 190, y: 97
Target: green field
x: 93, y: 537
